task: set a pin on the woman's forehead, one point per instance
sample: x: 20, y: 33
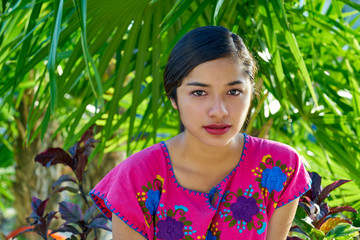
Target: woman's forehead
x: 222, y: 70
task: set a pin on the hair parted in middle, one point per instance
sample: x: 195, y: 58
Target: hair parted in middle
x: 201, y: 45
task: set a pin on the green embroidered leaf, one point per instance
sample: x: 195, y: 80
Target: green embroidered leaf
x: 145, y: 209
x: 259, y: 200
x: 145, y: 189
x: 182, y: 219
x: 278, y: 163
x: 170, y: 213
x: 282, y: 167
x: 259, y: 216
x: 258, y: 179
x: 227, y: 204
x: 187, y: 223
x: 262, y: 166
x: 232, y: 223
x: 249, y: 225
x: 149, y: 185
x: 256, y: 195
x: 142, y: 203
x: 156, y: 218
x: 240, y: 192
x: 218, y: 234
x: 187, y: 237
x: 228, y: 218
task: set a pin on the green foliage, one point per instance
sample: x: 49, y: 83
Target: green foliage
x: 103, y: 66
x: 314, y: 219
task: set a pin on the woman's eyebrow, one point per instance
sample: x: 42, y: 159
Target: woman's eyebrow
x: 197, y: 84
x: 205, y: 85
x: 235, y: 82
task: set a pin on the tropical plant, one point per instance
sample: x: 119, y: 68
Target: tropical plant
x: 75, y: 222
x: 316, y: 220
x: 73, y: 64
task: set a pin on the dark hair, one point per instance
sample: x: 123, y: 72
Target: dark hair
x: 201, y: 45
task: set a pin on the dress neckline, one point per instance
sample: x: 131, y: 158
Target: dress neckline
x: 217, y: 186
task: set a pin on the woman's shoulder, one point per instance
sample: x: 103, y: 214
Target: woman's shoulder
x: 266, y: 145
x: 148, y: 161
x: 146, y: 156
x: 258, y: 150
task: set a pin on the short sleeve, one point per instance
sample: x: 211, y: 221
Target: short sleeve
x: 114, y: 194
x: 298, y: 180
x: 120, y: 190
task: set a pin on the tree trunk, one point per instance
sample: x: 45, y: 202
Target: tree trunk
x: 31, y: 179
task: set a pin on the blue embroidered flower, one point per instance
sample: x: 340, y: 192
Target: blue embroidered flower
x: 170, y: 229
x: 152, y: 201
x: 244, y: 208
x: 210, y: 236
x: 273, y: 179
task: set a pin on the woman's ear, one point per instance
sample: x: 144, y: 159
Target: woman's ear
x: 173, y: 103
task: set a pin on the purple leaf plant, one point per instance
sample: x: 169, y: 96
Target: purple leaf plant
x: 75, y: 222
x: 320, y: 217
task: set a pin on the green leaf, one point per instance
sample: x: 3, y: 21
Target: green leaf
x: 156, y: 81
x: 139, y: 69
x: 240, y: 192
x: 173, y: 15
x: 52, y: 56
x: 187, y: 223
x: 228, y: 218
x: 342, y: 230
x: 282, y: 167
x: 232, y: 223
x: 249, y: 225
x: 219, y: 3
x: 262, y: 166
x: 170, y: 213
x: 145, y: 189
x: 97, y: 86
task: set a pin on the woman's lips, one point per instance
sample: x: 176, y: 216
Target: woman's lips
x: 217, y: 129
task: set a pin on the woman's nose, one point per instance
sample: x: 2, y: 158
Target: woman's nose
x: 218, y: 109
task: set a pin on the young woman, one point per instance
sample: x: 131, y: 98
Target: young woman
x: 210, y: 181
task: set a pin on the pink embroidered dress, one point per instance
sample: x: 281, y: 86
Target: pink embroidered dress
x: 143, y: 192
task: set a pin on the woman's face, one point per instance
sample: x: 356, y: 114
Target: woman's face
x: 213, y: 101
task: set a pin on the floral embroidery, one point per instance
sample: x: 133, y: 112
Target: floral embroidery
x: 170, y: 229
x: 152, y: 201
x: 273, y: 179
x: 169, y: 216
x: 271, y: 176
x: 150, y: 197
x: 244, y: 208
x: 210, y: 236
x: 213, y: 232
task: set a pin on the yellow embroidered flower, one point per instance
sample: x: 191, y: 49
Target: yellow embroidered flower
x: 160, y: 178
x: 266, y: 157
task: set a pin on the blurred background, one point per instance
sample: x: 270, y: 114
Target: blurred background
x: 69, y: 65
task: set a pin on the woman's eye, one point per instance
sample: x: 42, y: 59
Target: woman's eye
x: 198, y: 93
x: 234, y: 92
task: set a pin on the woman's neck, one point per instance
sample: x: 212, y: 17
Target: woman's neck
x: 192, y: 150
